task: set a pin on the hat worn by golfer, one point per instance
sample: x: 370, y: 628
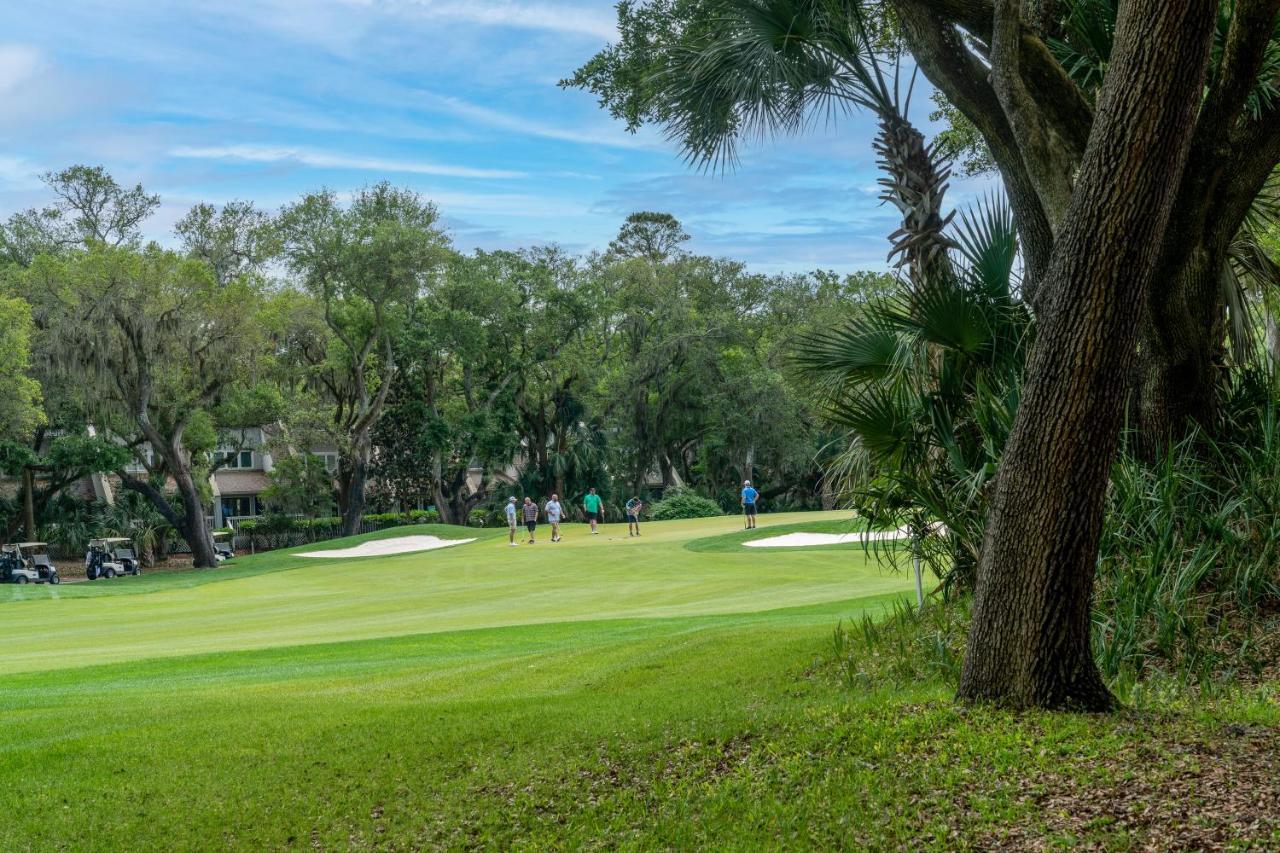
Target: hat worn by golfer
x: 512, y: 498
x: 746, y: 482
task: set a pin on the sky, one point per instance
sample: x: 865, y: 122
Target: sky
x: 219, y: 100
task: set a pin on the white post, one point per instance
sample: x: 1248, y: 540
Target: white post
x: 915, y: 559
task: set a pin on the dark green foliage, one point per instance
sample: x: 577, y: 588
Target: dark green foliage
x: 300, y: 485
x: 1189, y: 572
x: 14, y: 457
x: 684, y: 503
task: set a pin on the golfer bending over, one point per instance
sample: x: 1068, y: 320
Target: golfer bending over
x: 592, y: 506
x: 634, y: 507
x: 749, y: 498
x: 553, y: 511
x: 530, y: 517
x: 511, y: 519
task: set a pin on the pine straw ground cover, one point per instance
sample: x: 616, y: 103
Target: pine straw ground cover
x: 1184, y: 765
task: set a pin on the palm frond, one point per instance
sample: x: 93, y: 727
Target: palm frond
x: 885, y: 420
x: 769, y: 67
x: 987, y: 241
x: 864, y: 349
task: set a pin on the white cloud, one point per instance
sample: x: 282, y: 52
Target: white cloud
x: 329, y: 160
x: 556, y: 17
x: 618, y: 138
x: 18, y: 64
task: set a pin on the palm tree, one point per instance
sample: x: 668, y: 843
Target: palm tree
x: 926, y: 384
x: 764, y: 67
x: 134, y: 517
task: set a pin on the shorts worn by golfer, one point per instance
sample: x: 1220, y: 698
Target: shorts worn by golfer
x: 631, y: 518
x: 531, y: 526
x: 749, y: 509
x: 598, y: 515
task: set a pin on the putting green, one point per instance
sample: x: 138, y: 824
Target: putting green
x: 280, y: 599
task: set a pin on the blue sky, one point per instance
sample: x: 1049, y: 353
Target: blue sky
x: 202, y: 100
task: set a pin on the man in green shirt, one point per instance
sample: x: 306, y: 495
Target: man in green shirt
x: 594, y: 508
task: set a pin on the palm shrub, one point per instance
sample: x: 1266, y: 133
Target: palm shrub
x: 69, y: 524
x: 133, y: 516
x: 926, y: 384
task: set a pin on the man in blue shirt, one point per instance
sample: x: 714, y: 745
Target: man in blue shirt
x: 749, y: 499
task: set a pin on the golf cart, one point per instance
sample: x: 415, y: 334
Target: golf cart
x: 27, y: 562
x: 223, y: 545
x: 107, y: 558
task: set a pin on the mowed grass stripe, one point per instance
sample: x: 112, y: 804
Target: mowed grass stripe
x: 484, y: 584
x: 406, y: 740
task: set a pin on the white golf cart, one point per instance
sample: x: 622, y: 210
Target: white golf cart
x: 27, y: 562
x: 223, y: 546
x: 110, y: 557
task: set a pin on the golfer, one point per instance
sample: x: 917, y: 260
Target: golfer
x: 511, y: 519
x: 530, y: 517
x: 593, y: 507
x: 553, y: 511
x: 634, y: 507
x: 750, y: 497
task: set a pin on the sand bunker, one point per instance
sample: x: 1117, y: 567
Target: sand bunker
x: 394, y: 545
x: 801, y: 540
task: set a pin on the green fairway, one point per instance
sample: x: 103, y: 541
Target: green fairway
x: 598, y: 692
x: 285, y: 600
x: 284, y: 696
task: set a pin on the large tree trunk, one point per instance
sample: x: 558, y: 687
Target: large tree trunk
x: 444, y: 504
x: 193, y: 527
x: 351, y: 485
x: 1029, y: 644
x: 190, y: 525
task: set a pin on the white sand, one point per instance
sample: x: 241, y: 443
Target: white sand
x: 801, y: 540
x: 394, y: 545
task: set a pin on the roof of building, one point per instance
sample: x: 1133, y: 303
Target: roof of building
x: 241, y: 482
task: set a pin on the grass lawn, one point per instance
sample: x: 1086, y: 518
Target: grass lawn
x: 602, y: 691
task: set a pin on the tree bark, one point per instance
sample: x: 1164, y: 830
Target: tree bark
x: 1181, y: 352
x: 950, y: 66
x: 352, y: 480
x: 29, y: 502
x: 193, y: 528
x: 1029, y: 645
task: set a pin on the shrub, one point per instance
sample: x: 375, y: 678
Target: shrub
x: 684, y: 503
x: 424, y: 516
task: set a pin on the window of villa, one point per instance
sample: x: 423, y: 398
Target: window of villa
x: 236, y: 458
x: 239, y: 506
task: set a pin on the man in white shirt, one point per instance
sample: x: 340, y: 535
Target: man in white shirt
x: 511, y: 519
x: 554, y: 511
